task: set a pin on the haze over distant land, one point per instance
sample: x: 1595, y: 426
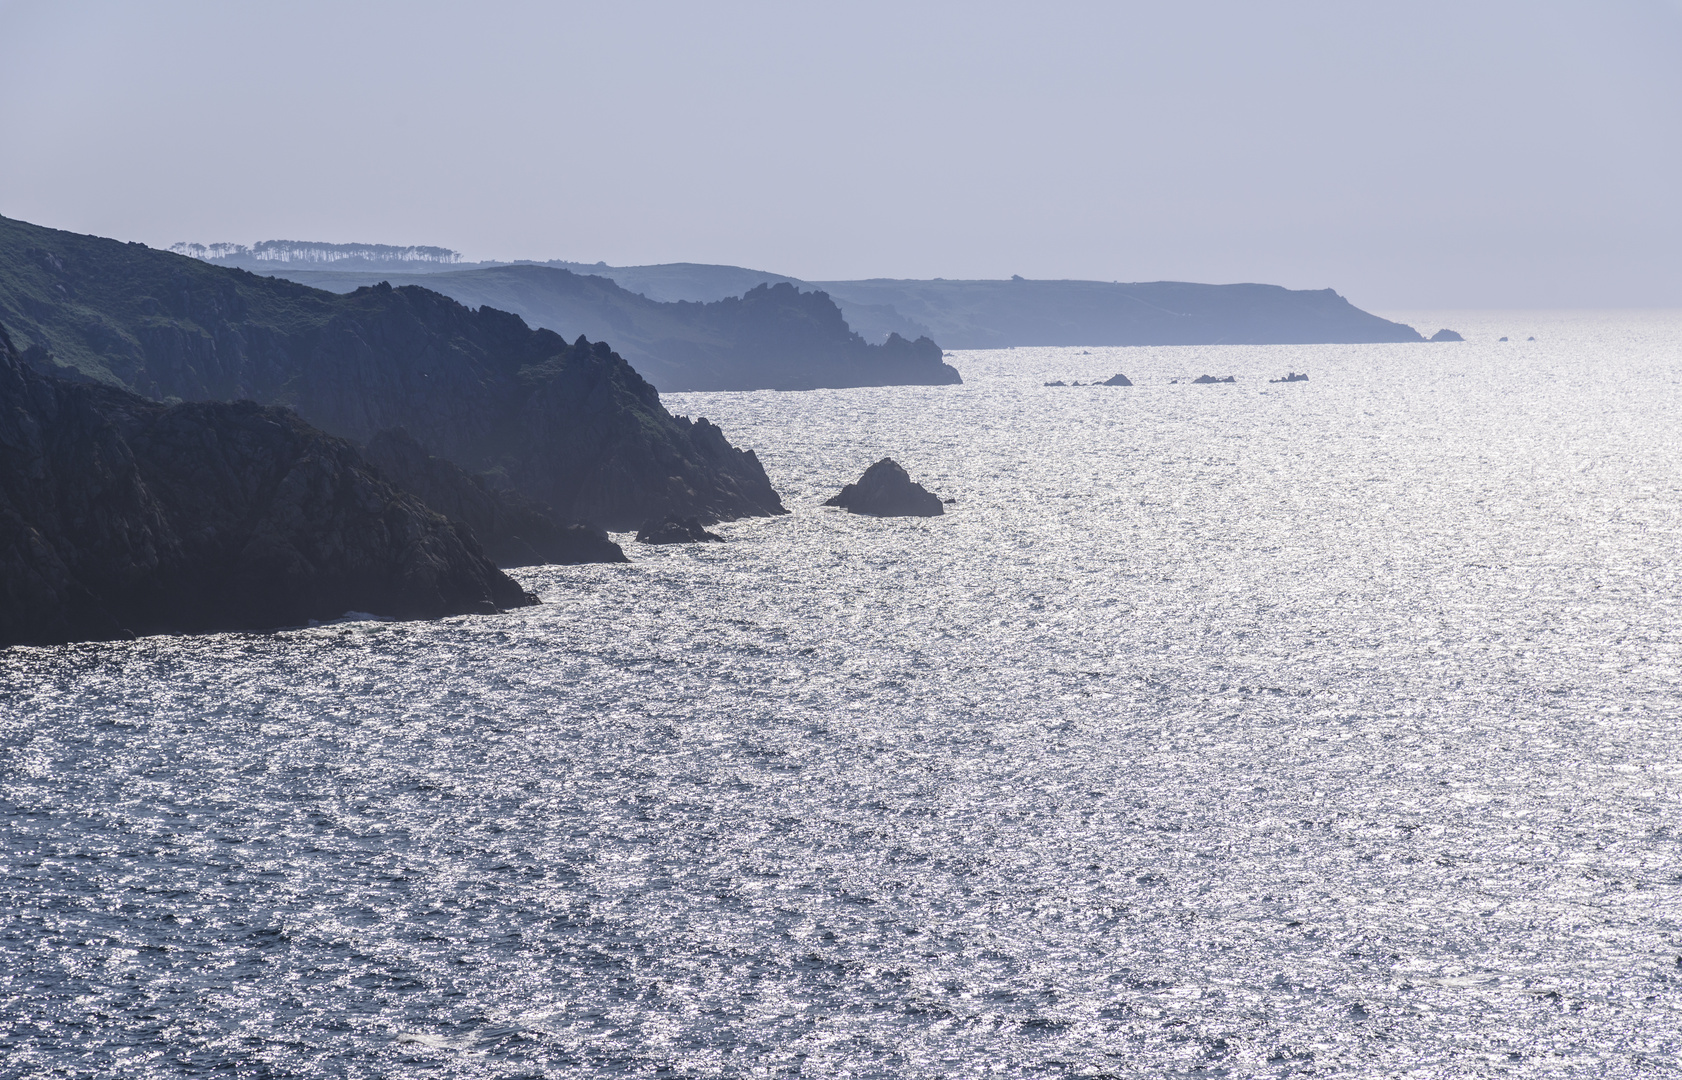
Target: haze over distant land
x: 669, y: 319
x: 1434, y: 154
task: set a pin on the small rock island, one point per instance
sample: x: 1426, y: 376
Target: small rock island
x: 1446, y: 334
x: 673, y: 529
x: 1292, y: 376
x: 886, y: 490
x: 1117, y: 380
x: 1210, y: 380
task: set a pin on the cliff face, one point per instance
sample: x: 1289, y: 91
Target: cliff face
x: 512, y: 530
x: 773, y: 337
x: 123, y: 516
x: 571, y: 426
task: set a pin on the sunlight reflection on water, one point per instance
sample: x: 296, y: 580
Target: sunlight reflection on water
x: 1217, y: 730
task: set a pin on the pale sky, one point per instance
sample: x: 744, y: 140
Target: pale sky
x: 1465, y: 154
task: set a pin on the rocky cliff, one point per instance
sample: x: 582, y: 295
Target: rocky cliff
x: 123, y: 516
x: 571, y: 426
x: 512, y: 530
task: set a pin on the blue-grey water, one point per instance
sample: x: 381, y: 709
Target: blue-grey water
x: 1320, y: 729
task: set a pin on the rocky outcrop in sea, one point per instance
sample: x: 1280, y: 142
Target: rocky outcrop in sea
x: 1446, y: 335
x: 676, y: 530
x: 886, y: 490
x: 1210, y: 380
x: 1117, y: 379
x: 121, y: 516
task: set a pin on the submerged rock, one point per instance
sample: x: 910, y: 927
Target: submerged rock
x: 886, y: 490
x: 1291, y: 376
x: 676, y: 530
x: 1117, y: 380
x: 1448, y: 335
x: 1209, y: 380
x: 121, y: 516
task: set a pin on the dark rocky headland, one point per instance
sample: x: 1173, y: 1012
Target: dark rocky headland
x: 568, y: 425
x: 886, y: 490
x: 121, y: 516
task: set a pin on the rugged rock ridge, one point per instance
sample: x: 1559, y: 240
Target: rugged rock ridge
x: 124, y: 516
x: 571, y: 426
x: 512, y: 530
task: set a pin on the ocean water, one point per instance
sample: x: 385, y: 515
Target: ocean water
x: 1322, y: 729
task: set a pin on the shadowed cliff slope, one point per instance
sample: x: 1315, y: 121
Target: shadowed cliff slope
x: 120, y: 515
x: 572, y: 426
x: 513, y: 530
x: 775, y: 337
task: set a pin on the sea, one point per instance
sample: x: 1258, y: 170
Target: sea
x: 1259, y: 729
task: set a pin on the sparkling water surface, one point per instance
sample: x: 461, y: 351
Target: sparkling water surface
x: 1324, y: 729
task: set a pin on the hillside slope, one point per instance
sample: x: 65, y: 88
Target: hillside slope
x: 775, y: 337
x: 572, y: 426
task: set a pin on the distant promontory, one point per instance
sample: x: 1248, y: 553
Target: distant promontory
x: 666, y: 341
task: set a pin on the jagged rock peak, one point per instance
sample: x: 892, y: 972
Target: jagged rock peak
x: 886, y: 490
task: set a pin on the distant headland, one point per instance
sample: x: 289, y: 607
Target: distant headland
x: 974, y: 314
